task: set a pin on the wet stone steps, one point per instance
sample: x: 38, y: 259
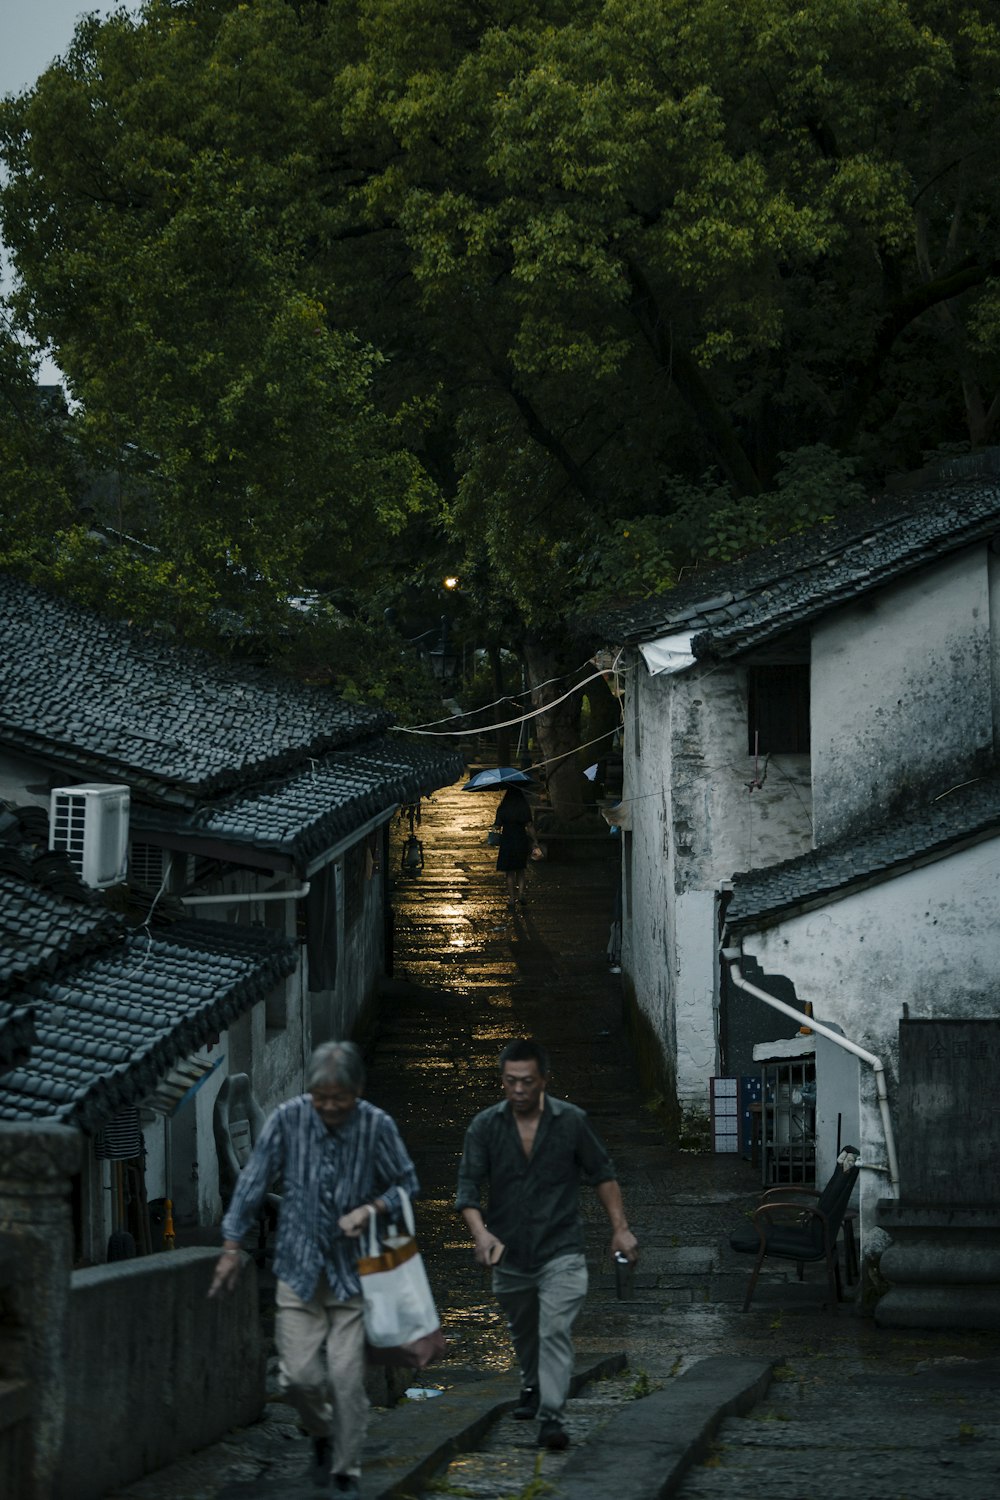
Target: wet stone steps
x: 508, y: 1463
x: 926, y: 1443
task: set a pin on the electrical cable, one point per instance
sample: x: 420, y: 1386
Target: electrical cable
x: 536, y: 765
x: 506, y: 723
x: 144, y: 926
x: 507, y: 698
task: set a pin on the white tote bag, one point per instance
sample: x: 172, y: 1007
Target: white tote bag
x: 401, y: 1322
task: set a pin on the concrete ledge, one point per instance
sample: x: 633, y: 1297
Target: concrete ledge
x: 896, y: 1215
x: 154, y: 1370
x: 941, y: 1307
x: 428, y: 1434
x: 645, y: 1451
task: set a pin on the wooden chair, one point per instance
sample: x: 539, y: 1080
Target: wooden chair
x: 795, y: 1223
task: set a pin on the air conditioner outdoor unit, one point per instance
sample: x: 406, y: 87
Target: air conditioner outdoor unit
x: 90, y: 823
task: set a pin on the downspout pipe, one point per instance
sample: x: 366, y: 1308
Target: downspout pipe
x: 244, y: 898
x: 732, y: 957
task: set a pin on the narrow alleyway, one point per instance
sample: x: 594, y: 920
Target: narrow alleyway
x: 467, y: 977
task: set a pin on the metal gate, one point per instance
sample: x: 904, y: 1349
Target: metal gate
x: 788, y: 1117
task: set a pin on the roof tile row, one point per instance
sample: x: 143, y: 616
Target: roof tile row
x: 111, y: 702
x: 311, y: 810
x: 107, y: 1030
x: 787, y: 585
x: 969, y: 813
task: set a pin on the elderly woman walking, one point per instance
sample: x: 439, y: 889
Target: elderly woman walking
x: 338, y: 1157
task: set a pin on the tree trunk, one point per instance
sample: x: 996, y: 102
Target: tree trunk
x: 552, y: 666
x: 500, y: 689
x: 605, y: 717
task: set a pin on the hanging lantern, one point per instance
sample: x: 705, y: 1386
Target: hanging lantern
x: 413, y: 855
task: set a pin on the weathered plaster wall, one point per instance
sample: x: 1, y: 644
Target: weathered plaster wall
x: 720, y: 825
x: 926, y: 939
x: 647, y: 940
x: 364, y: 960
x: 993, y: 580
x: 696, y: 959
x: 334, y: 1013
x: 901, y: 693
x: 695, y: 823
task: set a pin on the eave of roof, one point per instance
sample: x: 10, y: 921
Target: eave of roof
x: 780, y: 588
x: 17, y: 1032
x: 968, y: 815
x: 96, y: 699
x: 108, y: 1028
x: 296, y: 818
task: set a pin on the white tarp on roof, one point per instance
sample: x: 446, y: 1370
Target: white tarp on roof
x: 671, y: 653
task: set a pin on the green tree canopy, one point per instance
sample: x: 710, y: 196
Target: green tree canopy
x: 686, y: 238
x: 592, y: 289
x: 161, y: 245
x: 39, y: 469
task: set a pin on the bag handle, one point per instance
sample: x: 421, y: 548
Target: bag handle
x: 408, y: 1220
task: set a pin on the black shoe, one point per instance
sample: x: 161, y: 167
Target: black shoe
x: 322, y: 1457
x: 527, y: 1406
x: 553, y: 1435
x: 346, y: 1484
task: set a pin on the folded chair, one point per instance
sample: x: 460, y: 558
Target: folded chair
x: 790, y: 1227
x: 237, y: 1121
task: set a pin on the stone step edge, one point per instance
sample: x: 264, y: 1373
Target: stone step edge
x: 645, y: 1451
x: 426, y: 1435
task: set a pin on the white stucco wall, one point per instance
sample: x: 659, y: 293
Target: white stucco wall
x: 901, y: 693
x: 694, y: 823
x: 926, y: 939
x: 993, y: 576
x: 697, y: 996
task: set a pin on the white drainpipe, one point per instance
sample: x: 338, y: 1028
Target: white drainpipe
x: 732, y: 957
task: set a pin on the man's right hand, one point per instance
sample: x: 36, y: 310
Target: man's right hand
x: 488, y: 1250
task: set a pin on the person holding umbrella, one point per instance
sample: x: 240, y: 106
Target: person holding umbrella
x: 517, y: 839
x: 512, y: 822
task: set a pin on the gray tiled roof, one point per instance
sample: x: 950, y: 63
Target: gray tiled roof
x: 40, y: 931
x: 301, y: 815
x: 969, y: 813
x: 107, y: 702
x: 790, y: 584
x: 109, y: 1027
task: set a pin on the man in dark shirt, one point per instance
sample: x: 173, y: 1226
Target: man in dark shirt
x: 533, y: 1151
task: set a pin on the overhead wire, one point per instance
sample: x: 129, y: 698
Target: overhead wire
x: 507, y: 698
x: 505, y: 723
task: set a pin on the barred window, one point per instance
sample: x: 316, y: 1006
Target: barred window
x: 778, y: 710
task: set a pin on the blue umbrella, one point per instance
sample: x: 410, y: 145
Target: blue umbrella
x: 485, y: 781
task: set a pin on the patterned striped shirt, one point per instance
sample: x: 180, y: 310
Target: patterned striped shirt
x: 324, y: 1174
